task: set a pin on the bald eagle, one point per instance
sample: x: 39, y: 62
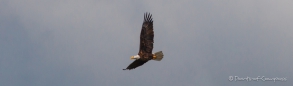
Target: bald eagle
x: 146, y: 45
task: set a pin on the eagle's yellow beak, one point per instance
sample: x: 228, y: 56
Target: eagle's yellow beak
x: 132, y: 57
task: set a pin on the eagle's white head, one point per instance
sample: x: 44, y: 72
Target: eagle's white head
x: 135, y: 57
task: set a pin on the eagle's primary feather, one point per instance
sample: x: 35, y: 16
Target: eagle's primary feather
x: 135, y: 64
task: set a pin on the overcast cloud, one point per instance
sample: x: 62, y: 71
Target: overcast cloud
x: 89, y: 42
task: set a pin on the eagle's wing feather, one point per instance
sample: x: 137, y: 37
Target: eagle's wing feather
x: 146, y: 38
x: 135, y: 64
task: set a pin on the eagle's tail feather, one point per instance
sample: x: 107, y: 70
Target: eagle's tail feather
x: 158, y: 56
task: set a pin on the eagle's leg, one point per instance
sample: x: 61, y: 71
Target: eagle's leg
x: 154, y: 56
x: 158, y: 56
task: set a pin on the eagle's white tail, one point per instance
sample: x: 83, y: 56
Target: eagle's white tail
x: 158, y: 56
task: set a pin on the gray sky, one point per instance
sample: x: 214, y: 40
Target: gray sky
x: 89, y: 42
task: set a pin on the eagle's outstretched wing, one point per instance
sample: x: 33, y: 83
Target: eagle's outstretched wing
x: 135, y: 64
x: 146, y: 38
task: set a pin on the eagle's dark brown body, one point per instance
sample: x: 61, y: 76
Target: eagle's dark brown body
x: 146, y: 43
